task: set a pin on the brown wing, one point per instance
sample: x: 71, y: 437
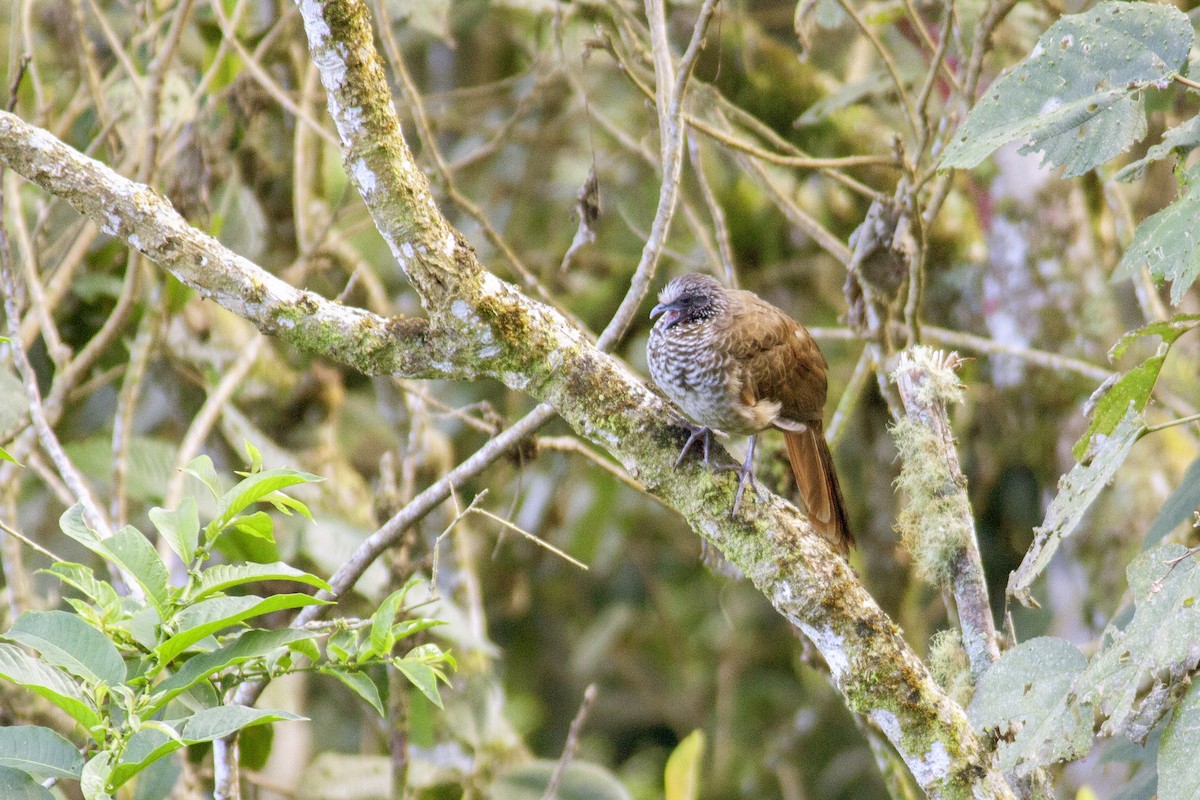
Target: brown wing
x: 778, y: 359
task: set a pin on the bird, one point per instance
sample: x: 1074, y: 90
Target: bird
x: 735, y: 364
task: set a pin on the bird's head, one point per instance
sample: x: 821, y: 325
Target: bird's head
x: 689, y: 298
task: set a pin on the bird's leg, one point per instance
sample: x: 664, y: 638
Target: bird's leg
x: 697, y: 431
x: 746, y: 474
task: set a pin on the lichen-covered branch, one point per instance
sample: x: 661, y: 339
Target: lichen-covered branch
x: 145, y: 219
x: 937, y: 525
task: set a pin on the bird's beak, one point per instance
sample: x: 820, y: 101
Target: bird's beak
x: 658, y: 309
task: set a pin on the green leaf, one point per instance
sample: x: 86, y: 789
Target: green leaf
x: 307, y: 648
x: 254, y: 456
x: 144, y: 748
x: 422, y: 676
x: 49, y: 682
x: 1167, y: 329
x: 382, y: 639
x: 254, y: 488
x: 180, y: 528
x: 259, y: 525
x: 1179, y: 506
x: 18, y: 785
x: 129, y: 549
x: 682, y: 777
x: 1076, y: 492
x: 66, y: 641
x: 209, y: 616
x: 84, y: 580
x: 1182, y: 138
x: 216, y: 723
x: 1077, y: 97
x: 362, y: 685
x: 1166, y: 242
x: 1179, y: 751
x: 1130, y: 392
x: 250, y: 645
x: 1025, y: 696
x: 1158, y: 646
x: 151, y: 744
x: 96, y: 772
x: 39, y: 751
x: 4, y: 456
x: 72, y: 524
x: 226, y: 576
x: 201, y: 468
x: 158, y: 780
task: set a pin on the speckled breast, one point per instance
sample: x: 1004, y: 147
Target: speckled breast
x: 696, y: 376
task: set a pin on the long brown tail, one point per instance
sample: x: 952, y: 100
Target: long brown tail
x: 812, y: 464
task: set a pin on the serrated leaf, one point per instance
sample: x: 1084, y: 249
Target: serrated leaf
x: 66, y: 641
x: 1158, y: 646
x: 250, y: 645
x: 180, y: 528
x: 226, y: 576
x: 18, y: 785
x: 216, y: 613
x: 49, y: 682
x: 682, y: 775
x: 1179, y: 751
x: 1025, y: 696
x: 1167, y: 243
x: 39, y: 751
x: 1179, y: 507
x: 1183, y: 138
x: 421, y: 676
x: 1076, y: 97
x: 1131, y: 392
x: 361, y: 684
x: 1076, y: 493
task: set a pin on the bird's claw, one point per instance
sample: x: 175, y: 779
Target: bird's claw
x: 745, y: 475
x: 696, y: 432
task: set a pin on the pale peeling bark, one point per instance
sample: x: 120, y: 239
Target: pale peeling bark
x: 481, y: 326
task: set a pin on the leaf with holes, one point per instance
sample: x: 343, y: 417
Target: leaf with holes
x: 1077, y: 96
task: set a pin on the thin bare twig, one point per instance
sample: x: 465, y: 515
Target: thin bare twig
x: 572, y: 743
x: 670, y: 89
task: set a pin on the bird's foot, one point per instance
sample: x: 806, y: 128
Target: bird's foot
x: 745, y: 476
x: 696, y: 431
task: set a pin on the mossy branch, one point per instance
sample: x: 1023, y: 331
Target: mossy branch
x: 936, y: 524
